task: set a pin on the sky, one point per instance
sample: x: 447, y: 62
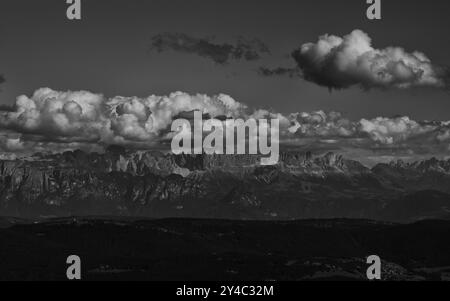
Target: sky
x: 132, y: 48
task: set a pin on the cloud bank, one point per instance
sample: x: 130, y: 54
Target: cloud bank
x: 85, y: 117
x: 53, y: 121
x: 243, y: 49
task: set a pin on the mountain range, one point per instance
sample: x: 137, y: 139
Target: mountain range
x: 152, y: 184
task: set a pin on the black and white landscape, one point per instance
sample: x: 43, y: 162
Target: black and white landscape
x: 140, y: 215
x: 151, y: 184
x: 87, y: 168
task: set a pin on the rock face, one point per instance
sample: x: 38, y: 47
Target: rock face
x: 431, y: 174
x: 153, y: 184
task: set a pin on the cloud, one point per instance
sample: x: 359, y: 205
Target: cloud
x: 243, y: 49
x: 60, y: 115
x: 322, y: 125
x: 279, y: 71
x: 367, y: 140
x: 53, y: 121
x: 144, y: 118
x: 391, y: 130
x: 444, y: 135
x: 332, y: 126
x: 339, y: 63
x: 8, y: 144
x: 342, y: 62
x: 85, y: 117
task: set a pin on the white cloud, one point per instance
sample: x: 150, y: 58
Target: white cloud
x: 321, y: 124
x: 82, y: 116
x: 392, y: 130
x: 57, y: 121
x: 342, y: 62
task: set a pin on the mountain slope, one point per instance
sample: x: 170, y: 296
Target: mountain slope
x: 152, y: 184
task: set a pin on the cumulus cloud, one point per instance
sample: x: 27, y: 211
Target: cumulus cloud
x: 341, y: 62
x: 66, y: 115
x: 321, y: 124
x: 391, y: 130
x: 220, y: 53
x: 57, y: 121
x: 142, y: 119
x: 85, y: 117
x: 332, y: 126
x: 367, y: 138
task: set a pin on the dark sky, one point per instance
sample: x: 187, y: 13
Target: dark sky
x: 107, y: 51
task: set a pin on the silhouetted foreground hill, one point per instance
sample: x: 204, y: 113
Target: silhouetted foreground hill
x: 187, y: 249
x: 151, y: 184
